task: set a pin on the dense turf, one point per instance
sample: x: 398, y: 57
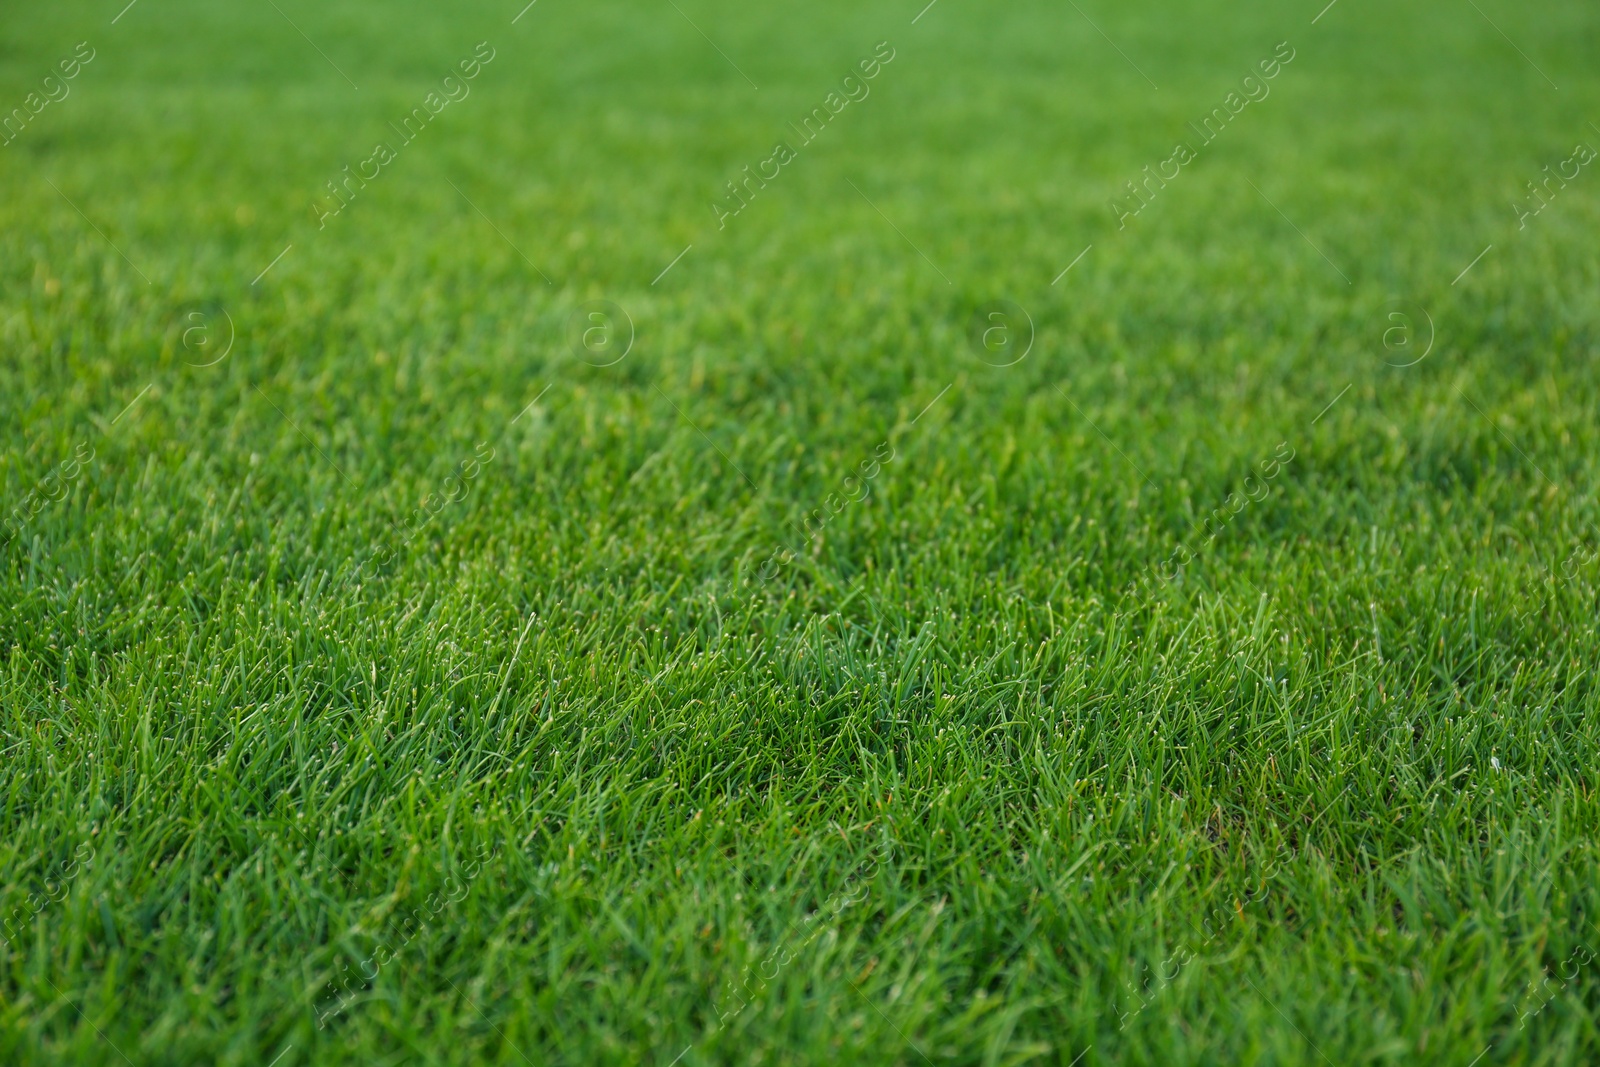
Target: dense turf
x: 806, y: 686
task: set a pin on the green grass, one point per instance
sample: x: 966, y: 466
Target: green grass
x: 302, y: 763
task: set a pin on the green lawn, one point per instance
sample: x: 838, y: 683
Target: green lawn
x: 530, y: 605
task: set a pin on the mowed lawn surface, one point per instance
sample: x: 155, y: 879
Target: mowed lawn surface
x: 1201, y: 674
